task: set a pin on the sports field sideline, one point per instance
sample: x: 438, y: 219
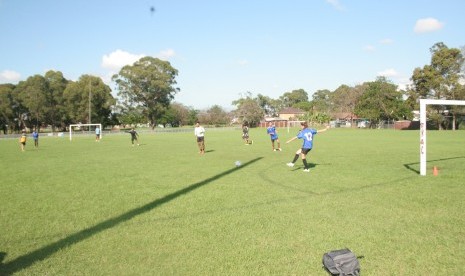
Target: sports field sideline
x: 108, y: 208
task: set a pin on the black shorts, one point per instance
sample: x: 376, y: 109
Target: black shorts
x: 200, y: 139
x: 305, y: 151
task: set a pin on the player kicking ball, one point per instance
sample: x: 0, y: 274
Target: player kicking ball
x: 306, y: 134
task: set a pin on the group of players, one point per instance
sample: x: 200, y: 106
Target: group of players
x: 306, y: 134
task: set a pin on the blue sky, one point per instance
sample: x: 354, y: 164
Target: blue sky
x: 223, y: 49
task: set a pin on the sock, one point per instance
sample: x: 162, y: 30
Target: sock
x: 295, y: 158
x: 305, y: 163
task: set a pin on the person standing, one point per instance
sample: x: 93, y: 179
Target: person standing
x: 271, y: 130
x: 245, y: 134
x: 22, y: 140
x: 35, y: 137
x: 307, y: 135
x: 97, y: 134
x: 199, y: 132
x: 134, y: 136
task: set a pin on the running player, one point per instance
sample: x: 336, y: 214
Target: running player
x: 199, y: 132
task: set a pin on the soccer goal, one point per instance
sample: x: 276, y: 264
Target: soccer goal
x: 423, y: 104
x: 291, y: 124
x: 88, y: 128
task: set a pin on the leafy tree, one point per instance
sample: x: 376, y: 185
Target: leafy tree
x: 149, y: 84
x: 32, y: 94
x: 295, y: 96
x: 181, y: 114
x: 176, y: 115
x: 7, y: 108
x: 88, y: 100
x: 128, y: 115
x: 305, y: 106
x: 249, y: 111
x: 192, y: 116
x: 269, y: 106
x: 439, y: 80
x: 381, y: 101
x: 56, y: 86
x: 320, y: 107
x: 345, y: 98
x: 321, y: 102
x: 217, y: 116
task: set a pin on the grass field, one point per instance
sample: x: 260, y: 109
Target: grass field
x: 107, y: 208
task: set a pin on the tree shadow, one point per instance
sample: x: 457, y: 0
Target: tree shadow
x: 40, y: 254
x: 409, y: 166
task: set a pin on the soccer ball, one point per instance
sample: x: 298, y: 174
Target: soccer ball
x: 237, y: 163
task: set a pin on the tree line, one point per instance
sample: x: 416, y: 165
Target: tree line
x: 146, y: 90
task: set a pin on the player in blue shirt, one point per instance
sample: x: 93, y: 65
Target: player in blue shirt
x: 306, y: 134
x: 35, y: 136
x: 271, y: 130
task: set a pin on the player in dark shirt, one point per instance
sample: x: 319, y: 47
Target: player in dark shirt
x: 134, y: 136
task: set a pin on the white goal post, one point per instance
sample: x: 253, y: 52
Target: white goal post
x: 293, y: 124
x: 83, y: 125
x: 423, y: 104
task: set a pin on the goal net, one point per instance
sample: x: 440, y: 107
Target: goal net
x: 86, y: 129
x: 423, y: 104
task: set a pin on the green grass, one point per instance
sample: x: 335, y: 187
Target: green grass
x: 87, y: 208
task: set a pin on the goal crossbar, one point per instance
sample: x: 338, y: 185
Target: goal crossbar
x: 423, y: 104
x: 82, y: 125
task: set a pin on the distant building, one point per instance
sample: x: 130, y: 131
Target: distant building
x: 291, y: 113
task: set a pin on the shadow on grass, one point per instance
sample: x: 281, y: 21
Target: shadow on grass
x: 40, y: 254
x: 409, y: 165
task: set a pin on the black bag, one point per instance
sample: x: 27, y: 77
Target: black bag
x: 341, y: 262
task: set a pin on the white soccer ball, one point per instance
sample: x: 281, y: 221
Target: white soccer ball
x: 237, y: 163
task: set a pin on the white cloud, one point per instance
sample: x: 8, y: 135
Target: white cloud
x: 426, y: 25
x: 369, y: 48
x: 386, y: 41
x: 403, y: 83
x: 119, y: 58
x: 9, y: 76
x: 335, y: 4
x: 166, y: 54
x: 243, y: 62
x: 388, y: 73
x: 116, y: 60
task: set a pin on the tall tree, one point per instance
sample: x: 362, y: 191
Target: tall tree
x: 321, y: 102
x: 381, y: 101
x: 32, y: 94
x: 268, y: 105
x: 88, y: 100
x: 7, y: 108
x: 249, y: 111
x: 56, y: 86
x: 217, y: 116
x: 345, y: 98
x: 439, y: 80
x: 295, y: 96
x: 148, y: 83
